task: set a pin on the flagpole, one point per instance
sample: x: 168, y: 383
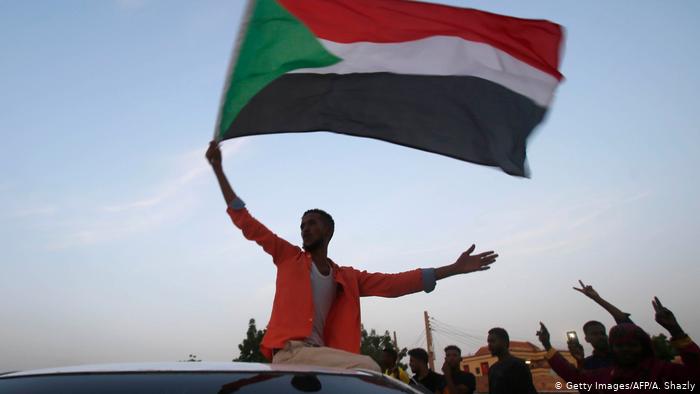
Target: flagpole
x: 245, y: 20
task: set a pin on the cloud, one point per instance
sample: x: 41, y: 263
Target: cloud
x: 109, y: 227
x: 173, y: 198
x: 569, y: 228
x: 144, y: 203
x: 196, y: 167
x: 25, y: 209
x: 34, y: 211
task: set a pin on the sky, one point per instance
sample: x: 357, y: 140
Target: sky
x: 114, y: 241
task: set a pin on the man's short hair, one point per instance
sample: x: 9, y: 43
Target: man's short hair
x: 501, y: 333
x: 390, y: 350
x: 325, y: 216
x: 419, y: 354
x: 591, y: 324
x: 453, y: 347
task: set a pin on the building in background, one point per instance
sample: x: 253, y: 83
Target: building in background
x: 543, y: 376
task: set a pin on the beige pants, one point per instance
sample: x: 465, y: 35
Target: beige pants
x: 298, y: 352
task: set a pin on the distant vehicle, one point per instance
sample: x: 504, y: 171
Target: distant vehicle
x: 200, y: 378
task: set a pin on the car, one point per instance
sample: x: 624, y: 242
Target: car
x: 199, y: 377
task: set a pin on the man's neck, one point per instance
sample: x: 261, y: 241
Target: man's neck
x: 503, y: 355
x: 423, y: 373
x: 600, y: 352
x: 320, y: 258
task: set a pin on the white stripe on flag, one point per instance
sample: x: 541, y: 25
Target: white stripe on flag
x: 444, y: 56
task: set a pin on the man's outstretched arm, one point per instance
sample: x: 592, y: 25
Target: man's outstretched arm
x: 396, y: 285
x: 617, y: 314
x: 467, y: 263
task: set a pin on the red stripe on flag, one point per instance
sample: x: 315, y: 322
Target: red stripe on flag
x: 535, y: 42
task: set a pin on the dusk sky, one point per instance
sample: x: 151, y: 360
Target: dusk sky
x: 114, y: 241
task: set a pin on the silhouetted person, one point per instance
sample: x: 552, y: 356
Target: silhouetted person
x: 390, y: 365
x: 633, y: 359
x: 456, y: 380
x: 418, y: 361
x: 509, y: 375
x: 596, y: 334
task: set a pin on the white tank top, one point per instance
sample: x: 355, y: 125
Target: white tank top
x: 323, y: 289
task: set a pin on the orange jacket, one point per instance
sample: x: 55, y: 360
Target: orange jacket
x: 293, y: 310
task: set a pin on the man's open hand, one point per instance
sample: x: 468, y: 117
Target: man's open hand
x: 470, y: 263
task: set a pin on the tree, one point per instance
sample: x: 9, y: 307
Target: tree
x: 372, y: 345
x: 191, y: 358
x: 250, y: 347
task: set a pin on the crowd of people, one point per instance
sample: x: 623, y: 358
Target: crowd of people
x: 452, y: 380
x: 623, y: 361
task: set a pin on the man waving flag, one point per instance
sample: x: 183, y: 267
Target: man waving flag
x: 458, y: 82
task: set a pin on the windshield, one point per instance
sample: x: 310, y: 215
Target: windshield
x: 200, y: 382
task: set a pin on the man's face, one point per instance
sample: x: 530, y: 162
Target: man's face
x: 496, y: 345
x: 597, y: 337
x: 416, y: 365
x: 387, y: 360
x: 453, y: 358
x: 313, y: 231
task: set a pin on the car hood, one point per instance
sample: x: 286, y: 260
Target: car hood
x: 185, y: 367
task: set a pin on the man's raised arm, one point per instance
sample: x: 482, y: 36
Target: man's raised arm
x: 617, y: 314
x: 253, y: 230
x: 686, y: 348
x: 213, y: 156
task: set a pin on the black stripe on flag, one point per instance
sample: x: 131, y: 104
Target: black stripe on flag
x: 467, y: 118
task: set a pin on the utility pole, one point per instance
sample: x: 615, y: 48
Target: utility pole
x: 396, y: 344
x: 429, y: 340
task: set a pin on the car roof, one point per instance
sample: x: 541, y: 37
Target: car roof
x: 186, y: 367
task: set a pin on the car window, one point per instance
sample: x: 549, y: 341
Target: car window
x: 200, y: 382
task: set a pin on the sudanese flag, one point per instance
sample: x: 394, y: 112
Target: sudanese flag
x: 459, y: 82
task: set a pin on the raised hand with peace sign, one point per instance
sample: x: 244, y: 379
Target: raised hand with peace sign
x: 590, y: 292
